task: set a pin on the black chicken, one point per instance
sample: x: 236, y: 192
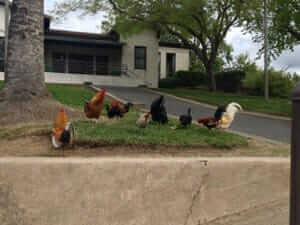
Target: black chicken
x: 158, y: 111
x: 186, y: 120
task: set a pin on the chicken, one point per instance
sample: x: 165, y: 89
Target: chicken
x: 158, y: 111
x: 186, y: 120
x: 62, y: 132
x: 116, y: 110
x: 93, y: 108
x: 209, y: 122
x: 143, y: 120
x: 228, y: 116
x: 223, y: 118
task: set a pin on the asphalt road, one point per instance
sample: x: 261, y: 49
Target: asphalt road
x: 274, y: 129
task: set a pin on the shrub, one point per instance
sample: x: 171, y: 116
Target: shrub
x: 191, y: 79
x: 230, y: 81
x: 170, y: 82
x: 280, y: 85
x: 184, y: 79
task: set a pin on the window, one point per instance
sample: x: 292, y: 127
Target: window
x: 140, y: 58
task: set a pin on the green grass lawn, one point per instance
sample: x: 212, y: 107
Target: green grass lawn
x: 70, y: 95
x: 275, y: 106
x: 125, y: 132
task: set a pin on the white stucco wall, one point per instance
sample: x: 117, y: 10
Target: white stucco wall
x: 62, y: 78
x: 146, y: 38
x: 182, y: 59
x: 2, y: 21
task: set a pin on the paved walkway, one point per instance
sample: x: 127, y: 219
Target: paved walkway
x: 275, y: 129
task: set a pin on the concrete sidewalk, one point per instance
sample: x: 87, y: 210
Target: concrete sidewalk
x: 166, y: 191
x: 270, y: 128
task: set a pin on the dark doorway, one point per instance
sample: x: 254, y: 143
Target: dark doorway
x: 82, y: 64
x: 59, y: 62
x: 171, y: 64
x: 102, y: 65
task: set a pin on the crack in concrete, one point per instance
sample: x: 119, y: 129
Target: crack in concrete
x: 195, y: 196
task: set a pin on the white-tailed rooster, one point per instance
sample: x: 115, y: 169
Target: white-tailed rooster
x: 223, y: 118
x: 62, y: 132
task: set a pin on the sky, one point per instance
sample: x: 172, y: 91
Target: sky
x: 241, y: 43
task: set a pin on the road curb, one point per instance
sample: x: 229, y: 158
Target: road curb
x: 215, y: 107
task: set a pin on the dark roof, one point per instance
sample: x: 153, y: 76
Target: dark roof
x: 81, y: 40
x: 172, y: 44
x: 83, y: 35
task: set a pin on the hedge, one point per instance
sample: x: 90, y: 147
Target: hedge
x: 229, y: 81
x: 184, y: 79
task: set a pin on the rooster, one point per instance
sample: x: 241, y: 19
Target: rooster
x: 158, y: 111
x: 62, y: 132
x: 143, y: 120
x: 228, y: 116
x: 186, y: 120
x: 116, y: 110
x: 93, y: 108
x: 223, y: 118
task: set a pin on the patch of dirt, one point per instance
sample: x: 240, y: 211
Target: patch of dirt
x: 40, y: 110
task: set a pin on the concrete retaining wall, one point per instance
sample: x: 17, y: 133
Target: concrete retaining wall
x: 122, y: 191
x: 62, y: 78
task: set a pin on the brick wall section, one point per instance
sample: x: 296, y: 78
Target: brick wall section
x: 146, y: 38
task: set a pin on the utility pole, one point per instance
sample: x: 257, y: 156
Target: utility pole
x: 266, y: 53
x: 6, y: 35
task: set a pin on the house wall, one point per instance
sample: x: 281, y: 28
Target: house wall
x: 65, y: 78
x: 182, y: 59
x: 147, y: 38
x: 2, y: 20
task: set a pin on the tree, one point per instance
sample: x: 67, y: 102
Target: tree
x: 283, y: 25
x: 201, y: 25
x: 25, y: 58
x: 224, y: 59
x: 24, y: 97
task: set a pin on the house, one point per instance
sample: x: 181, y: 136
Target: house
x: 106, y: 59
x: 173, y: 57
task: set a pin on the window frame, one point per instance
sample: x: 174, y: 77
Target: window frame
x: 136, y: 66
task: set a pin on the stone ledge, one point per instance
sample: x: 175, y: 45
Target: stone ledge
x: 109, y: 191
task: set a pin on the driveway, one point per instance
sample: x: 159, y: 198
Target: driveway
x: 274, y: 129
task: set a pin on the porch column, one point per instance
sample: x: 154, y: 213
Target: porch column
x: 94, y: 65
x: 67, y: 62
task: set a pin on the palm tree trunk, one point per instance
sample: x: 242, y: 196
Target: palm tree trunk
x: 24, y: 79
